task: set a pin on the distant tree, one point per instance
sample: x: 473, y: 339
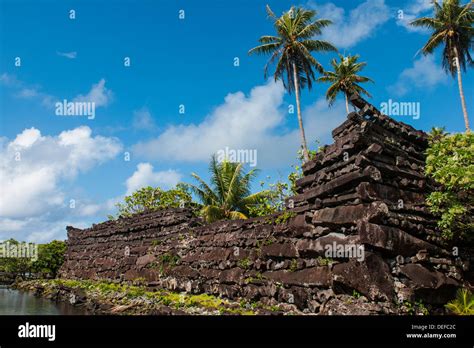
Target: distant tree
x: 154, y: 198
x: 345, y: 79
x: 452, y: 26
x: 291, y: 50
x: 15, y: 266
x: 228, y: 195
x: 50, y: 258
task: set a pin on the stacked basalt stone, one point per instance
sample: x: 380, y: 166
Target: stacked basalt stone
x: 115, y: 248
x: 369, y: 185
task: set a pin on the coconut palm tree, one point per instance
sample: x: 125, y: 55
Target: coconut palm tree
x: 344, y: 78
x: 291, y: 51
x: 451, y: 25
x: 228, y: 195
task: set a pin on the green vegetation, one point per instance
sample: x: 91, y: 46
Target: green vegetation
x: 415, y: 308
x: 323, y: 261
x: 15, y: 266
x: 463, y: 304
x: 156, y: 242
x: 154, y: 198
x: 228, y: 195
x: 356, y: 294
x: 284, y: 217
x: 450, y: 162
x: 50, y: 257
x: 124, y: 294
x: 165, y: 262
x: 344, y: 79
x: 257, y: 277
x: 169, y: 259
x: 274, y: 201
x: 244, y: 263
x: 266, y: 241
x: 294, y: 265
x: 451, y: 26
x: 291, y: 50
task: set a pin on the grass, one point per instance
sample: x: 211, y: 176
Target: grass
x: 123, y: 294
x: 463, y: 304
x: 244, y: 263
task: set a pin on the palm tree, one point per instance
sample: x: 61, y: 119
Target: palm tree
x: 228, y: 196
x: 344, y: 79
x: 452, y: 25
x: 291, y: 50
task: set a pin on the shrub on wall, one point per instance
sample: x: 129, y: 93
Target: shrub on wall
x: 450, y: 162
x: 154, y: 198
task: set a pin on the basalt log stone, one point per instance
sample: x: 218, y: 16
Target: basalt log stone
x: 358, y: 223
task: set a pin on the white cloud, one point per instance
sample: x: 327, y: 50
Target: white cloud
x: 34, y: 204
x: 244, y: 122
x: 145, y: 176
x: 32, y: 166
x: 70, y: 55
x: 413, y: 10
x: 12, y: 225
x: 9, y: 80
x: 143, y: 120
x: 359, y: 24
x: 28, y: 93
x: 425, y: 73
x: 38, y: 229
x: 98, y: 94
x: 90, y: 209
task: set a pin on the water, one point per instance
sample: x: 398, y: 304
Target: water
x: 16, y: 302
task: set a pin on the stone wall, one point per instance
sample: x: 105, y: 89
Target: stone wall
x: 366, y: 190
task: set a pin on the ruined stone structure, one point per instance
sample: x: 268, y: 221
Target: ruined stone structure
x: 366, y: 190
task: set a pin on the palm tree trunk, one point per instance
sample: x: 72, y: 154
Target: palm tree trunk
x: 300, y: 118
x: 461, y: 91
x: 347, y: 103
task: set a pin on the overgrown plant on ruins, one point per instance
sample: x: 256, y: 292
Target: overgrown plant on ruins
x: 345, y: 79
x: 154, y: 198
x: 451, y: 26
x: 291, y: 50
x: 280, y: 191
x: 228, y: 195
x: 450, y: 162
x: 277, y: 194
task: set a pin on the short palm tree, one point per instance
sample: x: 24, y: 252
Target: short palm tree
x: 291, y: 50
x: 228, y: 195
x: 344, y: 79
x: 452, y: 25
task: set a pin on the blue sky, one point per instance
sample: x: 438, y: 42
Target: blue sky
x: 177, y: 62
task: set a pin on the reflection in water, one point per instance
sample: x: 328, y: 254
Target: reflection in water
x: 15, y: 302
